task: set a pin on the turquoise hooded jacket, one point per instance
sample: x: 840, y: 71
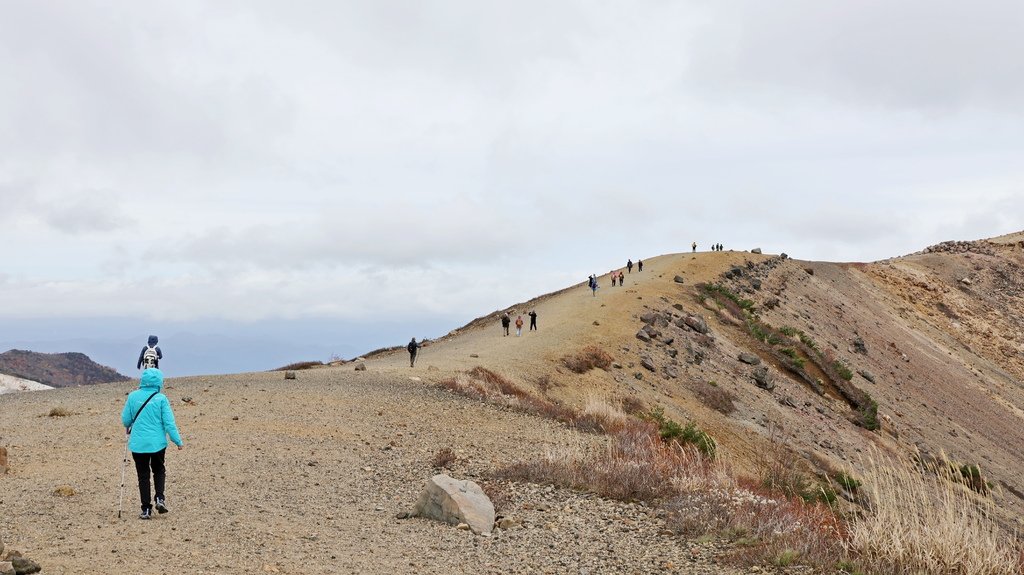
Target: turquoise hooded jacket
x: 155, y: 422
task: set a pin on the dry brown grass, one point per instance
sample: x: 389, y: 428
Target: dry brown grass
x: 486, y: 385
x: 300, y: 365
x: 60, y: 411
x: 587, y: 359
x: 922, y: 523
x: 635, y: 465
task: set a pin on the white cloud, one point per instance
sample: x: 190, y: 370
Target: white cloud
x: 257, y: 159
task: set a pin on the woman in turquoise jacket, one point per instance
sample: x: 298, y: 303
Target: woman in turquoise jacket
x: 148, y: 420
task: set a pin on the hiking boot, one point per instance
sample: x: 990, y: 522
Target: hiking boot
x: 146, y: 514
x: 161, y: 505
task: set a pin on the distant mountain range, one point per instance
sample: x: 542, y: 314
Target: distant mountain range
x: 56, y: 369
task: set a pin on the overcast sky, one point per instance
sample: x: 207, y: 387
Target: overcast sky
x: 254, y: 160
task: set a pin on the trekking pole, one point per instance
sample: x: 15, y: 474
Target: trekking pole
x: 124, y: 465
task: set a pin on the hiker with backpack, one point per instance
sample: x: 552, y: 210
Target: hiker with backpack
x: 533, y: 320
x: 519, y: 326
x: 412, y: 347
x: 148, y: 421
x: 150, y: 355
x: 629, y: 266
x: 639, y: 265
x: 505, y: 322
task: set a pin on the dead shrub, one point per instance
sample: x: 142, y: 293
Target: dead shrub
x: 300, y: 366
x: 715, y: 397
x: 779, y: 467
x: 633, y: 405
x: 586, y: 359
x: 444, y: 459
x: 60, y: 411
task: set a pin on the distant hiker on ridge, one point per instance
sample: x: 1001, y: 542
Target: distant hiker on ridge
x: 629, y: 266
x: 615, y: 277
x: 150, y: 355
x: 412, y: 347
x: 505, y: 322
x: 694, y: 247
x: 533, y: 320
x: 519, y: 326
x: 639, y: 265
x: 622, y: 279
x: 148, y: 421
x: 593, y: 284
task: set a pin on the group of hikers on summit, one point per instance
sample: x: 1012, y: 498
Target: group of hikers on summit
x: 148, y: 421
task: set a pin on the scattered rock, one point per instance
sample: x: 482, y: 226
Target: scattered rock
x: 966, y: 281
x: 64, y: 491
x: 23, y: 566
x: 616, y: 365
x: 474, y: 355
x: 360, y: 366
x: 810, y: 271
x: 456, y: 501
x: 672, y: 371
x: 755, y: 283
x: 652, y: 331
x: 647, y: 363
x: 679, y: 279
x: 697, y: 323
x: 597, y: 322
x: 289, y: 375
x: 649, y: 317
x: 787, y: 401
x: 7, y: 568
x: 784, y: 256
x: 749, y: 358
x: 3, y: 470
x: 867, y: 375
x: 433, y: 368
x: 859, y: 346
x: 643, y: 336
x: 755, y: 251
x: 1, y: 545
x: 763, y: 379
x: 507, y: 523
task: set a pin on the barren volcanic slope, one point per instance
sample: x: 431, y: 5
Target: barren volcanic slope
x: 310, y: 476
x: 56, y: 369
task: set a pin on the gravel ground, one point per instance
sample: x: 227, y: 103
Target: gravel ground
x: 308, y: 479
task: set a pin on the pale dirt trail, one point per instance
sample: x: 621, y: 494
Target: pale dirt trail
x: 308, y: 479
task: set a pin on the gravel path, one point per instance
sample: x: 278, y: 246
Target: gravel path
x: 308, y: 479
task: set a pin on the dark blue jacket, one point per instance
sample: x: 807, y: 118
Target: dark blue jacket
x: 159, y: 354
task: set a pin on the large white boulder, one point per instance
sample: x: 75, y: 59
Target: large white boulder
x: 456, y: 501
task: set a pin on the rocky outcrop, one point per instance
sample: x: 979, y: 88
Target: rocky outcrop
x: 456, y: 501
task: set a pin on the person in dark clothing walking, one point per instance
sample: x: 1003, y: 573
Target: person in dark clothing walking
x: 505, y: 322
x: 412, y: 347
x: 629, y: 266
x: 533, y: 320
x: 639, y: 265
x: 148, y: 421
x: 150, y: 355
x: 694, y: 247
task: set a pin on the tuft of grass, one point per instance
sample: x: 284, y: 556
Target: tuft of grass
x: 60, y: 411
x: 587, y: 359
x: 924, y: 523
x: 64, y: 491
x: 847, y: 482
x: 843, y: 371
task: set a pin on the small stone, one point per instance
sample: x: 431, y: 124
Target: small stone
x: 403, y: 515
x: 755, y: 251
x: 867, y: 375
x: 462, y: 526
x: 360, y: 366
x: 647, y: 363
x: 763, y: 378
x: 23, y: 566
x: 643, y: 336
x: 7, y: 568
x: 289, y: 375
x: 679, y: 279
x: 474, y: 355
x: 507, y: 523
x: 3, y: 470
x: 64, y: 491
x: 235, y: 418
x: 859, y: 346
x: 696, y: 323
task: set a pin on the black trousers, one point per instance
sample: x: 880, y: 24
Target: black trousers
x: 143, y: 463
